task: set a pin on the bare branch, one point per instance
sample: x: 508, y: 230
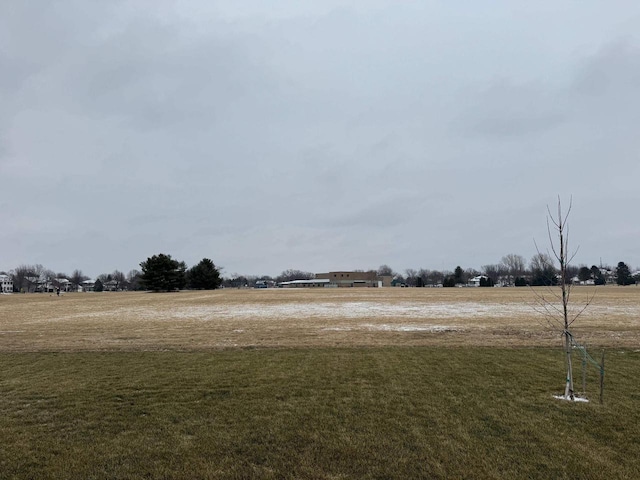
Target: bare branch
x: 587, y: 303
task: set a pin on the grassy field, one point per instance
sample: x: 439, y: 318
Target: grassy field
x: 391, y: 383
x: 307, y: 318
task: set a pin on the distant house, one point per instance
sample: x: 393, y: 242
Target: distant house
x: 608, y: 275
x: 111, y: 286
x: 45, y: 286
x: 6, y: 284
x: 63, y: 284
x: 88, y: 285
x: 475, y: 281
x: 31, y: 283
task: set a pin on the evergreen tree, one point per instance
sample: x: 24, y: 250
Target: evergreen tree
x: 458, y: 275
x: 584, y: 274
x: 623, y: 274
x: 486, y: 282
x: 449, y: 281
x: 98, y: 286
x: 598, y: 277
x: 204, y: 276
x: 520, y: 282
x: 163, y: 273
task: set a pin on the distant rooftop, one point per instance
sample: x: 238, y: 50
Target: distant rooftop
x: 306, y: 282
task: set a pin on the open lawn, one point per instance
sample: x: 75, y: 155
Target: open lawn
x: 327, y: 384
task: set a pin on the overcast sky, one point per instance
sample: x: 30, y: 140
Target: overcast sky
x: 316, y: 135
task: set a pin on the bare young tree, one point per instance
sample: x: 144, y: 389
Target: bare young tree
x: 560, y: 226
x: 554, y: 305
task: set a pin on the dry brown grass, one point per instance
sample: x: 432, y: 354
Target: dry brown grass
x: 306, y: 318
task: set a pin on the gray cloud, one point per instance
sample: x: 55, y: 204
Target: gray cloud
x: 314, y: 135
x: 504, y: 109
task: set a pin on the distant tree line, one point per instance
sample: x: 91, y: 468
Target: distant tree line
x: 514, y: 270
x: 163, y: 273
x: 158, y: 273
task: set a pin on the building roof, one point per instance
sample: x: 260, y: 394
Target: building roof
x: 306, y: 282
x: 477, y: 278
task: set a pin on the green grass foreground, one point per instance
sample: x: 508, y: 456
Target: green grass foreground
x: 314, y: 413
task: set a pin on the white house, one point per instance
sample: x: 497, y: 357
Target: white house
x: 110, y: 286
x: 475, y: 281
x: 63, y: 284
x: 6, y: 284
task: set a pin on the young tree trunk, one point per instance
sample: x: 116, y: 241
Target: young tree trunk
x: 568, y: 389
x: 602, y: 379
x: 565, y: 286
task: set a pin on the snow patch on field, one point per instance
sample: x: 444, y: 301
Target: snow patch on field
x: 333, y: 310
x: 396, y: 328
x: 412, y: 328
x: 349, y: 310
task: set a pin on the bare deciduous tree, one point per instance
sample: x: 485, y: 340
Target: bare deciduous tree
x: 77, y: 278
x: 514, y: 265
x: 555, y: 306
x: 133, y: 279
x: 21, y: 276
x: 120, y: 279
x: 385, y: 270
x: 412, y: 277
x: 494, y: 272
x: 543, y: 270
x: 292, y: 274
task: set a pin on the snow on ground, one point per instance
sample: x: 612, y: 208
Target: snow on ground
x: 409, y: 311
x: 355, y: 310
x: 575, y: 399
x: 412, y: 328
x: 396, y: 328
x: 347, y: 310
